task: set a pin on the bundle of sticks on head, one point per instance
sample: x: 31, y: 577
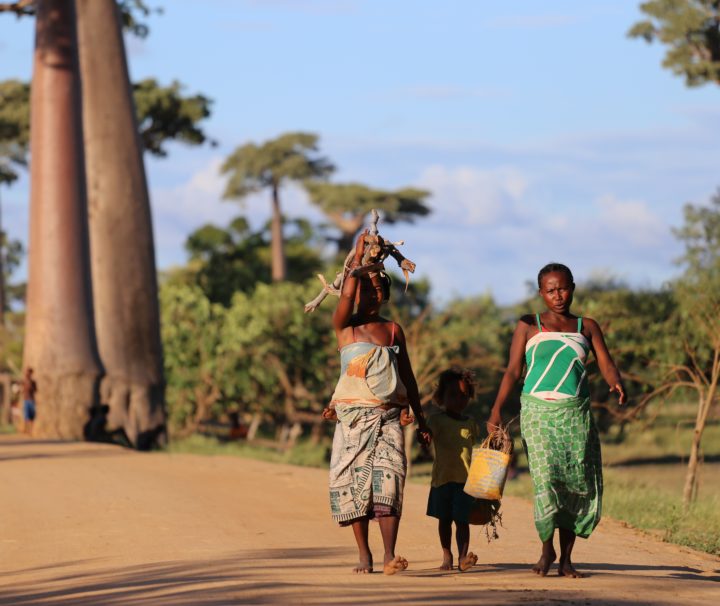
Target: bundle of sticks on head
x: 377, y: 249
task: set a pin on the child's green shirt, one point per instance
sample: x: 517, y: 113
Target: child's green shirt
x: 453, y: 440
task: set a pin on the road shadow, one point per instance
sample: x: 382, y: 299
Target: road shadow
x: 251, y: 577
x: 27, y: 448
x: 591, y: 568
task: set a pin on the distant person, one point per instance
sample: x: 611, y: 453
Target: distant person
x: 29, y: 389
x: 453, y: 435
x: 238, y: 431
x: 557, y: 425
x: 368, y: 465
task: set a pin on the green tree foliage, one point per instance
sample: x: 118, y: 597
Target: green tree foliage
x: 224, y: 261
x: 691, y: 31
x: 698, y: 298
x: 164, y: 115
x: 253, y: 168
x: 14, y: 128
x: 347, y: 205
x: 197, y: 368
x: 635, y: 325
x: 262, y: 354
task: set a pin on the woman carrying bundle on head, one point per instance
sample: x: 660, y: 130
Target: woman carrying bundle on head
x: 368, y: 465
x: 556, y: 422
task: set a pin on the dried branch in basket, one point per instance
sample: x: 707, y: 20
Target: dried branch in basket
x: 377, y: 249
x: 499, y: 439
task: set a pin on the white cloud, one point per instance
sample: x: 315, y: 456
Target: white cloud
x: 180, y: 209
x: 632, y: 220
x: 472, y: 196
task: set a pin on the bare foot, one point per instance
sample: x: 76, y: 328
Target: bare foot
x: 544, y: 563
x: 467, y: 562
x: 397, y: 564
x: 447, y: 563
x: 365, y: 566
x: 566, y: 569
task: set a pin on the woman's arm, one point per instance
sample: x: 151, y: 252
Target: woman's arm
x: 407, y: 376
x: 512, y: 374
x: 344, y: 309
x: 605, y: 362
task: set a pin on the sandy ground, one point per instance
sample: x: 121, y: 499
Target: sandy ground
x: 88, y: 524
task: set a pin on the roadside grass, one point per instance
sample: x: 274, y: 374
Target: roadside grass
x: 304, y: 454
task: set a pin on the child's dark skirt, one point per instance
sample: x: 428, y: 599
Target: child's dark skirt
x: 449, y: 502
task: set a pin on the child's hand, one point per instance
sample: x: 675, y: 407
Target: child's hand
x: 406, y: 417
x: 329, y: 414
x: 423, y: 433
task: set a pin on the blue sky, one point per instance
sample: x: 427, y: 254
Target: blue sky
x: 544, y: 133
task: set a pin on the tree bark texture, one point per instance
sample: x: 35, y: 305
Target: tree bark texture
x: 125, y: 291
x: 60, y: 339
x: 276, y: 235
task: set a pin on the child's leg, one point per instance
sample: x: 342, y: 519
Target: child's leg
x: 462, y: 537
x: 445, y: 532
x: 360, y: 530
x: 546, y: 558
x: 466, y: 559
x: 567, y: 542
x: 389, y: 526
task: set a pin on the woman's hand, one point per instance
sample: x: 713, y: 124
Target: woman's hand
x: 406, y: 417
x: 329, y: 414
x: 494, y: 421
x: 360, y: 247
x: 620, y: 391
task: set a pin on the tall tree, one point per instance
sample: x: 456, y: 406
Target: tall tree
x: 122, y: 251
x: 224, y: 261
x: 252, y: 168
x: 691, y: 30
x: 60, y: 342
x: 698, y: 294
x: 347, y: 205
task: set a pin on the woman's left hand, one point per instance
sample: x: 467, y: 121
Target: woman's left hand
x: 406, y: 417
x: 329, y: 414
x: 620, y: 390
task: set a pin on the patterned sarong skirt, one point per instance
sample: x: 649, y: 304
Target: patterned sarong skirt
x: 563, y: 450
x: 368, y: 465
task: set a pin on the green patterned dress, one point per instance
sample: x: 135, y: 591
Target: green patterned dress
x: 559, y: 433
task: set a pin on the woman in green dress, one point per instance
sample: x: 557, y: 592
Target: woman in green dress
x: 556, y: 422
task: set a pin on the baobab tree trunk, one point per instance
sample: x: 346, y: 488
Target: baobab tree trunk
x: 125, y: 292
x: 276, y: 235
x: 60, y: 340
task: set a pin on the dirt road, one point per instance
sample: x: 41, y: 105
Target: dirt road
x: 89, y: 524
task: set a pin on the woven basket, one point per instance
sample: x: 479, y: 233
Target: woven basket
x: 489, y: 466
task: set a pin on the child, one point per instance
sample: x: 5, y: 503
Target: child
x: 453, y: 435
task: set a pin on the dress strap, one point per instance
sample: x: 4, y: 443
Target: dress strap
x: 537, y: 318
x: 579, y: 324
x: 392, y: 336
x: 353, y: 334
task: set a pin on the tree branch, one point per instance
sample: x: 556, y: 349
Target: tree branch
x: 20, y: 8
